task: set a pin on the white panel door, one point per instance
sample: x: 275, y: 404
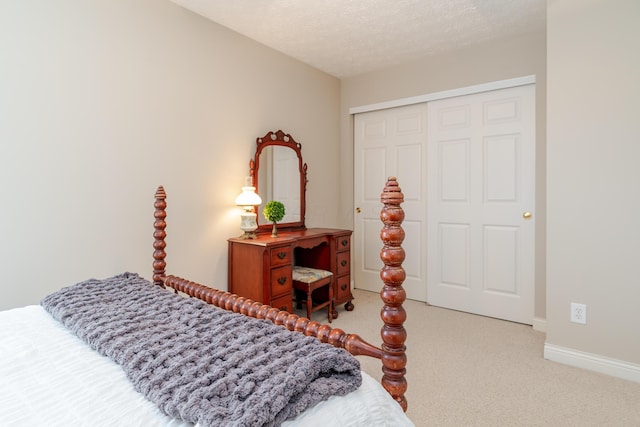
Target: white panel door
x: 480, y: 227
x: 390, y: 143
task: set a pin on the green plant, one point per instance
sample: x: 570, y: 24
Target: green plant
x: 273, y: 212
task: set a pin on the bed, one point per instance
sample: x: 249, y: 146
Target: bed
x: 125, y: 351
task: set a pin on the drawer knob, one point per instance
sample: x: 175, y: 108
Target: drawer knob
x: 345, y: 242
x: 282, y: 255
x: 343, y: 287
x: 344, y: 263
x: 282, y: 280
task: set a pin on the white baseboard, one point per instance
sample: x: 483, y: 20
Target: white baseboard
x: 592, y: 362
x: 539, y: 324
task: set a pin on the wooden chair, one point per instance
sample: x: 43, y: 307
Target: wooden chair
x: 307, y: 280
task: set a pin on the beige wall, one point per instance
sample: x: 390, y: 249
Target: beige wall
x: 516, y: 57
x: 103, y: 100
x: 593, y: 175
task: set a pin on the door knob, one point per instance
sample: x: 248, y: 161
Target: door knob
x: 358, y: 210
x: 526, y: 215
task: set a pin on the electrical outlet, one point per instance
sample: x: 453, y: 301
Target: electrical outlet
x: 579, y: 313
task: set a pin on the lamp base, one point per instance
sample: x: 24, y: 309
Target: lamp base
x: 248, y: 235
x: 249, y: 225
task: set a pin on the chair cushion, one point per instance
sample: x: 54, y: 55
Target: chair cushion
x: 309, y: 275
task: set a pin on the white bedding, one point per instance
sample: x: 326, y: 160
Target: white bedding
x: 49, y: 377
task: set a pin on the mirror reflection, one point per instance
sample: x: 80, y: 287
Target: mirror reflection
x: 278, y: 174
x: 279, y: 179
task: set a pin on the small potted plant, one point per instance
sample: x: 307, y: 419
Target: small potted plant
x: 273, y: 212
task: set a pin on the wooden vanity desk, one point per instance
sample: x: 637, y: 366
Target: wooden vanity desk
x: 260, y: 269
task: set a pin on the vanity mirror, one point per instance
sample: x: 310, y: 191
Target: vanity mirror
x: 278, y: 173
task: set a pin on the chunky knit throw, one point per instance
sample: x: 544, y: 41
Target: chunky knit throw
x: 200, y: 363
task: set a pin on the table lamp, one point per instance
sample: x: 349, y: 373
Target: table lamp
x: 247, y: 200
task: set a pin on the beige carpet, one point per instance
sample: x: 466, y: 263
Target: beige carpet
x: 467, y: 370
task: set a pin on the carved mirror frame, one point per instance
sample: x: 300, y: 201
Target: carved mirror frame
x: 279, y: 139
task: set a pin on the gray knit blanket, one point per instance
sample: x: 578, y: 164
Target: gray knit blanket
x: 200, y: 363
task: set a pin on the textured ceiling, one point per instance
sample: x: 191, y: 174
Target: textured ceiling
x: 349, y: 37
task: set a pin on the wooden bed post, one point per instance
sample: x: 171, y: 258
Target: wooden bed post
x: 159, y: 235
x: 394, y: 359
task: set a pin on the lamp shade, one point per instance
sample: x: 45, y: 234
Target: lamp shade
x: 248, y: 197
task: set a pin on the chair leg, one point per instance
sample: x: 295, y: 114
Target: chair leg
x: 330, y: 314
x: 309, y: 302
x: 308, y: 290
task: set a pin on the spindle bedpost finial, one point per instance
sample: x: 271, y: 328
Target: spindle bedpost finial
x: 159, y: 235
x: 394, y: 359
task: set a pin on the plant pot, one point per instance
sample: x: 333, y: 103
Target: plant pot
x: 274, y: 231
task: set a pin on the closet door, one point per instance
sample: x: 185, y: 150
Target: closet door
x: 480, y: 228
x: 387, y: 143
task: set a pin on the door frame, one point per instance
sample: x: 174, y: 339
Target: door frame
x: 468, y: 90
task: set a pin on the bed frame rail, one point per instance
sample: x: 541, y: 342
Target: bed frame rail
x: 392, y: 353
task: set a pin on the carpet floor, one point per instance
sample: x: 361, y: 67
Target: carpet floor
x: 468, y: 370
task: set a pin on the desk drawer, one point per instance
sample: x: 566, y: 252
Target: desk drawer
x: 344, y: 259
x: 281, y: 256
x: 281, y: 281
x: 343, y: 243
x: 284, y: 302
x: 343, y: 289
